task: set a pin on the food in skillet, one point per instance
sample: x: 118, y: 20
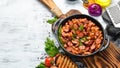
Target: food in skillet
x: 80, y: 36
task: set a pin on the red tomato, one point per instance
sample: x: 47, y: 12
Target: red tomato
x: 49, y: 61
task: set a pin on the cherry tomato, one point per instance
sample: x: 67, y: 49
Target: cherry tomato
x: 49, y: 61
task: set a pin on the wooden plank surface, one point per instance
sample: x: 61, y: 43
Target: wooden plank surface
x: 109, y: 58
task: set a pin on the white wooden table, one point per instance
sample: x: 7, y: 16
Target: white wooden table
x: 23, y: 30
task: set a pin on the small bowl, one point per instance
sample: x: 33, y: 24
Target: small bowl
x: 61, y: 22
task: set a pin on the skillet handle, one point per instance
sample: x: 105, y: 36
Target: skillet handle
x: 55, y: 27
x: 107, y: 44
x: 53, y: 7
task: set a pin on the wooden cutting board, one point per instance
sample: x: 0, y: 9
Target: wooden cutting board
x: 109, y: 58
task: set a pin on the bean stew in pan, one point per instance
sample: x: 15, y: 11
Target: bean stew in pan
x: 80, y: 36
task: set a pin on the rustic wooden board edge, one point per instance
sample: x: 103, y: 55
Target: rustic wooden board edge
x: 109, y: 58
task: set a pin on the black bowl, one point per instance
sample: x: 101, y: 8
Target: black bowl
x: 61, y: 22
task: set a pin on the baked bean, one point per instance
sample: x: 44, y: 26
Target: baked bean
x: 80, y: 35
x: 87, y: 48
x: 73, y: 51
x: 69, y: 49
x: 65, y: 45
x: 92, y: 47
x: 76, y: 49
x: 67, y: 28
x: 73, y: 31
x: 86, y: 53
x: 98, y: 41
x: 63, y: 39
x: 75, y: 26
x: 75, y: 41
x: 71, y: 24
x: 81, y: 47
x: 88, y: 37
x: 70, y: 43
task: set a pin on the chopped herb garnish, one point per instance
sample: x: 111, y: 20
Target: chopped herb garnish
x: 73, y: 38
x: 51, y: 21
x: 81, y: 27
x: 80, y: 42
x: 59, y: 30
x: 59, y: 35
x: 84, y: 38
x: 74, y: 35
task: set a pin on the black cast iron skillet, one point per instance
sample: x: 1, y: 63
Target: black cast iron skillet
x: 61, y: 22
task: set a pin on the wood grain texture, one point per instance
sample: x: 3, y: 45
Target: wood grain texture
x: 57, y: 11
x: 53, y: 7
x: 109, y: 58
x: 62, y: 61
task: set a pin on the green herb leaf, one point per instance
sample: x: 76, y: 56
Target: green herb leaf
x: 41, y: 65
x: 59, y: 35
x: 59, y: 30
x: 50, y: 48
x: 84, y: 38
x: 74, y: 36
x: 80, y: 42
x: 81, y: 27
x: 51, y: 21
